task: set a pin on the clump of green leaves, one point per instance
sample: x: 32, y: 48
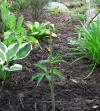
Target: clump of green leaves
x: 13, y: 30
x: 39, y: 31
x: 89, y: 44
x: 11, y: 53
x: 49, y: 73
x: 18, y: 4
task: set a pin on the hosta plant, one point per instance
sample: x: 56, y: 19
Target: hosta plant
x: 88, y: 46
x: 13, y: 30
x: 11, y: 53
x: 49, y: 73
x: 39, y: 31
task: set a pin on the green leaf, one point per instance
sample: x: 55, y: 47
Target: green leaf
x: 20, y: 21
x: 3, y: 47
x: 15, y: 67
x: 58, y: 73
x: 36, y: 24
x: 44, y: 61
x: 40, y: 79
x: 44, y: 68
x: 43, y: 25
x: 48, y: 77
x: 21, y: 31
x: 37, y: 76
x: 29, y: 25
x: 11, y: 52
x: 6, y: 35
x: 23, y: 51
x: 10, y: 40
x: 77, y: 59
x: 57, y: 57
x: 12, y: 22
x: 42, y: 33
x: 5, y: 15
x: 4, y: 75
x: 32, y: 39
x: 19, y: 39
x: 2, y: 57
x: 34, y: 33
x: 73, y: 53
x: 60, y: 61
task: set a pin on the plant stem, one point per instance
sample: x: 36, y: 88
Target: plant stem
x: 90, y: 72
x: 52, y: 81
x: 52, y: 89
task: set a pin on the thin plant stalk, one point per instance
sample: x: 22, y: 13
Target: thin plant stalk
x: 52, y: 80
x: 90, y: 72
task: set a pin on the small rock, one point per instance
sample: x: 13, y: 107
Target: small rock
x: 89, y: 101
x: 95, y: 106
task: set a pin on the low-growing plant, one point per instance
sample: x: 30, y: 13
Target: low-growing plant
x: 2, y: 4
x: 11, y: 53
x: 78, y: 14
x: 39, y: 31
x: 55, y: 11
x: 18, y: 4
x: 49, y: 73
x: 89, y: 44
x: 13, y: 30
x: 37, y: 7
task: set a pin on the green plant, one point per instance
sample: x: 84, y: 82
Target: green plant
x: 37, y: 7
x: 39, y: 31
x: 9, y: 54
x: 49, y: 73
x: 2, y: 4
x: 18, y: 4
x: 13, y: 30
x: 55, y: 11
x: 89, y: 43
x: 78, y: 14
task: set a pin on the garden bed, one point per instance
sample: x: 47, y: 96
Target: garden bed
x: 71, y: 94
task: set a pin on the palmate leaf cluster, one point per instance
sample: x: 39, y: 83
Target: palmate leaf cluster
x: 89, y: 43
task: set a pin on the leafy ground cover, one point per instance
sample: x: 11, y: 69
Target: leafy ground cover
x: 71, y: 94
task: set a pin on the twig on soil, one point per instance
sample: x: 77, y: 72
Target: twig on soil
x: 35, y: 107
x: 21, y: 102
